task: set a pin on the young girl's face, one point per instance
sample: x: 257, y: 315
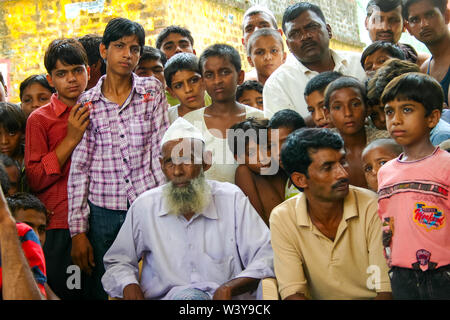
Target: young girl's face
x: 33, y: 97
x: 10, y: 142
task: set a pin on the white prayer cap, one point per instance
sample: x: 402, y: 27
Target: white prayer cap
x: 181, y: 129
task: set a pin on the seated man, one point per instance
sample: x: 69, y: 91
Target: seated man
x: 21, y: 256
x: 198, y: 239
x: 327, y: 240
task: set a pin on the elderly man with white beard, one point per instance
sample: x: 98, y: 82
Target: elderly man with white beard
x: 198, y: 239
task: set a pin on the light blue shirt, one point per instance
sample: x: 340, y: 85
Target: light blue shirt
x: 440, y: 132
x: 228, y: 240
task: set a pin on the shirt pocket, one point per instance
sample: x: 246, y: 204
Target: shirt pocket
x: 139, y: 131
x: 218, y: 270
x: 102, y: 134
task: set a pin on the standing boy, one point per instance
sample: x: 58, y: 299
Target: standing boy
x: 52, y: 133
x: 117, y: 159
x: 413, y: 191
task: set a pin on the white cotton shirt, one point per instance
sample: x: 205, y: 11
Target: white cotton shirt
x: 226, y: 241
x: 223, y: 163
x: 286, y: 86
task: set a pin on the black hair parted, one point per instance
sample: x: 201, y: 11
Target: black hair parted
x: 345, y: 82
x: 418, y: 87
x: 12, y: 117
x: 25, y: 201
x: 67, y: 51
x: 179, y: 62
x: 295, y: 10
x: 173, y: 29
x: 393, y: 50
x: 248, y: 85
x: 150, y: 53
x: 287, y: 118
x: 383, y: 5
x: 320, y: 81
x: 440, y: 4
x: 224, y: 51
x: 118, y: 28
x: 295, y: 153
x: 35, y: 78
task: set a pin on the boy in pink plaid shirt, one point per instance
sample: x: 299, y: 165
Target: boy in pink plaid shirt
x: 117, y: 159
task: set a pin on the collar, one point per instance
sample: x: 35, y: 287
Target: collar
x: 59, y: 107
x: 301, y: 209
x: 339, y: 62
x: 209, y: 212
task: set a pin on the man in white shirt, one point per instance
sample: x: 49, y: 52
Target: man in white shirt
x: 307, y: 37
x: 198, y: 239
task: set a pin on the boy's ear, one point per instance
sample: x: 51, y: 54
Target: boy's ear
x: 241, y: 77
x: 49, y: 80
x: 170, y: 91
x: 249, y: 59
x: 103, y: 50
x: 284, y: 56
x: 433, y: 118
x: 299, y: 180
x: 88, y: 69
x: 366, y: 23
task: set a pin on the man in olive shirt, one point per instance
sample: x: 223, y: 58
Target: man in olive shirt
x: 327, y: 240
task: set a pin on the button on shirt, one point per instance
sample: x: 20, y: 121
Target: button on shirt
x: 286, y: 86
x: 117, y: 159
x: 225, y: 241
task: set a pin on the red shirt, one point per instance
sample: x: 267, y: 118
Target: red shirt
x: 46, y: 128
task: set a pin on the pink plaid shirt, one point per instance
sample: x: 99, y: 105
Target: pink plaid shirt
x: 117, y: 159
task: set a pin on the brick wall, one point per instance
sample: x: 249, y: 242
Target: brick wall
x: 28, y: 26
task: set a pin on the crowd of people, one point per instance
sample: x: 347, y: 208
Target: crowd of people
x: 138, y: 172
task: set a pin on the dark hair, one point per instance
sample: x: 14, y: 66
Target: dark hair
x: 264, y: 32
x: 409, y: 52
x: 287, y: 118
x: 257, y: 9
x: 390, y: 144
x: 25, y: 201
x: 392, y: 49
x: 295, y: 153
x: 293, y: 11
x: 344, y: 82
x: 35, y: 78
x: 224, y: 51
x: 391, y: 69
x: 418, y: 87
x: 118, y: 28
x: 173, y: 29
x: 178, y: 62
x: 440, y: 4
x: 67, y: 51
x: 320, y: 81
x: 4, y: 179
x: 150, y: 53
x: 12, y: 117
x: 250, y: 123
x: 384, y: 5
x: 7, y: 161
x: 248, y: 85
x: 91, y: 43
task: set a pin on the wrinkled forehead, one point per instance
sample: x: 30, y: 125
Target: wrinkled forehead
x: 182, y: 148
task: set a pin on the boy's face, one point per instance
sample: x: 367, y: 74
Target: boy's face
x: 254, y: 22
x: 257, y: 156
x: 347, y: 110
x: 122, y: 56
x: 426, y: 22
x: 407, y: 123
x: 34, y: 96
x: 385, y: 26
x: 151, y: 67
x: 252, y: 98
x: 221, y: 79
x: 35, y: 219
x: 10, y: 142
x: 376, y: 113
x: 266, y: 55
x: 319, y: 114
x: 175, y: 43
x: 14, y: 176
x: 189, y: 88
x: 283, y: 133
x: 69, y: 81
x: 374, y: 61
x: 373, y: 160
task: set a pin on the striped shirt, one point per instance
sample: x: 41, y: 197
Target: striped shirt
x: 117, y: 159
x: 33, y: 253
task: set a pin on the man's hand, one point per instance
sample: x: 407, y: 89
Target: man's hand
x: 133, y: 292
x: 82, y: 253
x: 5, y: 215
x: 235, y: 287
x: 222, y: 293
x: 77, y: 123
